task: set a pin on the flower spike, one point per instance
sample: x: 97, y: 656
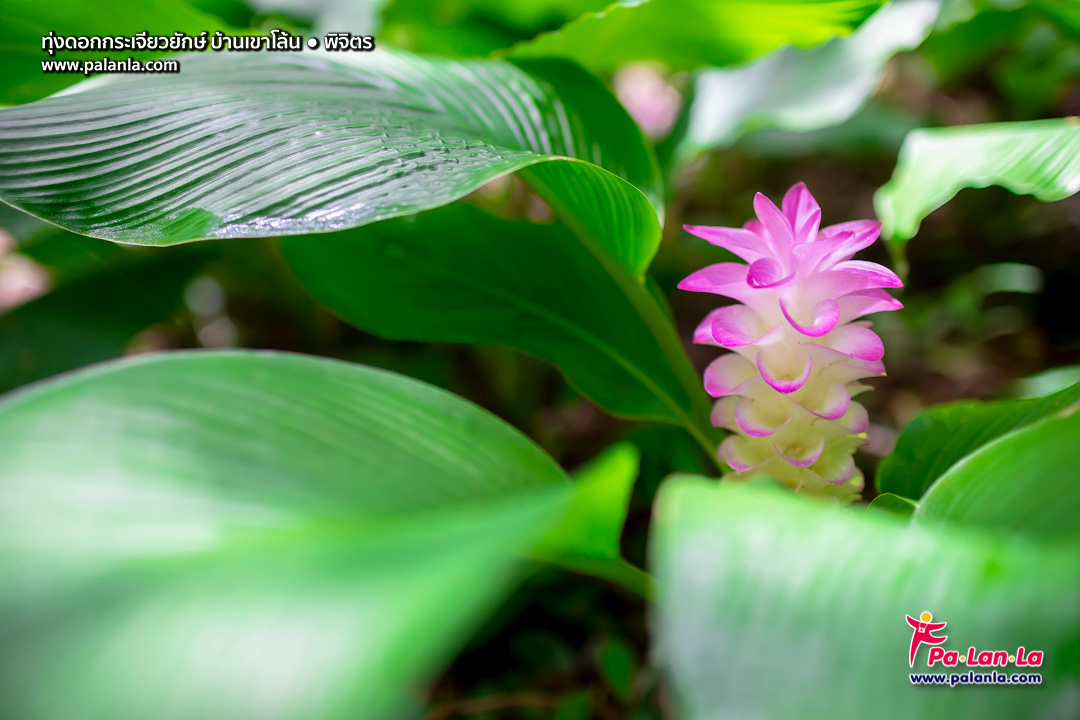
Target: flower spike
x: 798, y: 348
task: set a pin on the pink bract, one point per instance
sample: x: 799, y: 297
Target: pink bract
x: 798, y: 347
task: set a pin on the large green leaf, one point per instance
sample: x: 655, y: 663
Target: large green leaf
x: 250, y: 535
x: 27, y: 21
x: 939, y: 437
x: 266, y: 144
x: 688, y: 34
x: 1040, y: 158
x: 459, y: 275
x: 773, y: 606
x: 1026, y: 482
x: 802, y: 90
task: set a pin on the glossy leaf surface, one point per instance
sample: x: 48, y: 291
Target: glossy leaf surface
x: 268, y: 144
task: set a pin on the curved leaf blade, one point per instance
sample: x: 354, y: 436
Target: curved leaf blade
x: 939, y: 437
x: 589, y: 535
x: 268, y: 144
x: 815, y: 597
x: 1026, y: 482
x: 1040, y: 158
x: 251, y: 535
x: 459, y: 275
x: 687, y: 35
x: 341, y: 468
x: 901, y: 507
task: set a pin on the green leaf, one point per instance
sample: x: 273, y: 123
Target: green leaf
x: 898, y: 506
x: 459, y: 275
x: 688, y: 34
x: 803, y: 90
x: 778, y: 607
x: 588, y: 535
x: 27, y: 21
x: 939, y: 437
x: 250, y: 535
x: 270, y: 144
x: 1027, y: 482
x: 1040, y: 158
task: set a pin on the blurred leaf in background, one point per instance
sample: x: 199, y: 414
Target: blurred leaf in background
x: 686, y: 35
x: 475, y: 28
x: 773, y: 605
x: 802, y: 90
x: 259, y: 535
x: 1047, y: 382
x: 359, y: 17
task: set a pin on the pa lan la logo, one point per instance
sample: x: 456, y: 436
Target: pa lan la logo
x: 923, y: 633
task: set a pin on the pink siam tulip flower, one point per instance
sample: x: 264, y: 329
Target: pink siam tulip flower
x: 799, y: 349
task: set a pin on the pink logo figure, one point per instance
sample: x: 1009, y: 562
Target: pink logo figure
x: 924, y: 633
